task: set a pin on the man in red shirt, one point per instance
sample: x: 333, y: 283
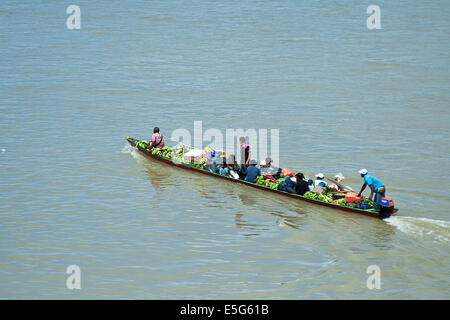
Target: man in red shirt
x: 157, y: 140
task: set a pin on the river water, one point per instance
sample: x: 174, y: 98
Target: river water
x: 343, y: 97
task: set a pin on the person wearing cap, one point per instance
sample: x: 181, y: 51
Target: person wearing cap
x: 375, y: 185
x: 252, y: 172
x: 301, y: 186
x: 320, y: 182
x: 270, y: 169
x: 336, y: 185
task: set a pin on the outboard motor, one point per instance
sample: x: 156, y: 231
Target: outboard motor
x: 386, y: 208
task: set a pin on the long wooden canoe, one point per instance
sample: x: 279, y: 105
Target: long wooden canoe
x: 367, y: 212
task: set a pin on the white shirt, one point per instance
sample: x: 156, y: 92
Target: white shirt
x: 317, y: 181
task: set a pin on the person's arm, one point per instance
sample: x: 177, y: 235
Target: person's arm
x: 152, y: 142
x: 362, y: 189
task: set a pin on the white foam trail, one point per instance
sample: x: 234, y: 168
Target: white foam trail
x: 438, y: 230
x: 127, y: 149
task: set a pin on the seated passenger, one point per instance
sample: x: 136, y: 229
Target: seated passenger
x: 310, y: 185
x: 157, y: 140
x: 301, y: 186
x: 224, y: 170
x: 320, y: 182
x: 288, y: 184
x: 337, y: 185
x: 262, y: 165
x: 252, y: 172
x: 270, y: 169
x: 234, y: 169
x: 291, y: 181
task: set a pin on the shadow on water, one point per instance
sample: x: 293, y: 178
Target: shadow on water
x: 162, y: 175
x: 157, y: 178
x: 247, y: 199
x: 287, y: 212
x: 252, y: 229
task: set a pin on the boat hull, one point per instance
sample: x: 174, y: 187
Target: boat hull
x: 291, y: 195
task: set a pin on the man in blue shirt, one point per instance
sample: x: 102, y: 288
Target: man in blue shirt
x: 252, y: 172
x: 375, y: 185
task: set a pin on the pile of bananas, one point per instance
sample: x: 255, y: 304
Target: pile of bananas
x: 142, y: 144
x: 165, y: 152
x: 174, y: 153
x: 266, y: 182
x: 201, y: 164
x: 325, y: 197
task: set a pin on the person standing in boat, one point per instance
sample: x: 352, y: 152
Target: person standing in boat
x: 245, y: 152
x: 157, y: 140
x: 375, y: 185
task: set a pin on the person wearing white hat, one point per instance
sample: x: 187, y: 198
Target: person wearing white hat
x: 337, y: 182
x: 375, y: 185
x: 320, y: 182
x: 262, y: 163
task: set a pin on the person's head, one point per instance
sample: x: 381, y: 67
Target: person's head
x: 362, y: 172
x: 320, y: 176
x: 242, y: 140
x: 155, y: 130
x: 224, y: 164
x: 299, y: 176
x: 262, y: 163
x: 310, y: 182
x: 339, y: 177
x: 268, y: 161
x: 253, y: 162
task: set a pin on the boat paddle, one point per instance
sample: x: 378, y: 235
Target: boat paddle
x: 346, y: 188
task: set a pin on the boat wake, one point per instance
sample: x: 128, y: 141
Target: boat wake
x: 127, y: 149
x: 436, y: 230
